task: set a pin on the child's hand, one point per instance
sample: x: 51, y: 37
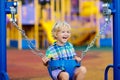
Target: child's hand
x: 45, y: 60
x: 78, y: 59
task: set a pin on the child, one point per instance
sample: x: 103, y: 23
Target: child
x: 62, y: 49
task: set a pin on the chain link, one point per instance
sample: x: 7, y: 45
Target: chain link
x: 93, y: 41
x: 106, y: 13
x: 30, y: 44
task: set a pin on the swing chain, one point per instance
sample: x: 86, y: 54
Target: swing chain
x: 13, y: 12
x: 106, y: 14
x: 30, y: 44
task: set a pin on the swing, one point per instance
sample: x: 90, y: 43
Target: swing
x: 67, y: 65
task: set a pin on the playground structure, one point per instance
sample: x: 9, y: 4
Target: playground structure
x: 83, y: 17
x: 5, y: 9
x: 73, y: 17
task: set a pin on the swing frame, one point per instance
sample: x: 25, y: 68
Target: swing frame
x: 66, y: 65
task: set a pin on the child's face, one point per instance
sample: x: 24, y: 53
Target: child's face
x: 63, y: 35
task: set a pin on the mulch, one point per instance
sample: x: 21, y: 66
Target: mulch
x: 23, y: 64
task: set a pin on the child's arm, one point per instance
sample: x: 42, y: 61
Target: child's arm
x: 78, y: 59
x: 45, y: 60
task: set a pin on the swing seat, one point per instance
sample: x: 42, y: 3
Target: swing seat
x: 67, y: 65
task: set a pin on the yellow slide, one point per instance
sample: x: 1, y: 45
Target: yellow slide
x: 82, y: 36
x: 47, y: 26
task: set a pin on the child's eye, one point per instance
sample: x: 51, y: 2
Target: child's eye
x: 68, y: 31
x: 63, y: 31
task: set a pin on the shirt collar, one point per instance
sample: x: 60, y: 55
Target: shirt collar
x: 55, y: 44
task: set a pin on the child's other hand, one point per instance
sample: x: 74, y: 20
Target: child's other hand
x: 78, y: 59
x: 45, y: 60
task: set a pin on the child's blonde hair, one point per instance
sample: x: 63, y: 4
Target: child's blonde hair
x: 57, y: 27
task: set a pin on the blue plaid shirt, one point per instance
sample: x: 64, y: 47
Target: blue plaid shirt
x: 57, y: 52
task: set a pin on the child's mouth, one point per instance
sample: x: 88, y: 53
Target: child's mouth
x: 65, y: 37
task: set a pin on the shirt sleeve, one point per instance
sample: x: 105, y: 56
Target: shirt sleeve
x: 49, y: 53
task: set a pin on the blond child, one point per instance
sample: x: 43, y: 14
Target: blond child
x: 62, y: 49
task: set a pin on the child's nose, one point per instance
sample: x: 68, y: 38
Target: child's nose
x: 67, y: 33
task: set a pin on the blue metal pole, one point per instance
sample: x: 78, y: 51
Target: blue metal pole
x: 3, y: 67
x: 116, y: 39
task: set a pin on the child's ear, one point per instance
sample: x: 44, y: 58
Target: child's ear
x: 56, y: 35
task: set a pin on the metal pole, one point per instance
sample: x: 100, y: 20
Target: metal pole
x: 3, y: 66
x: 116, y: 39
